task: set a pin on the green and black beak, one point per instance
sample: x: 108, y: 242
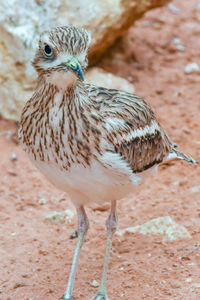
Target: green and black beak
x: 75, y: 66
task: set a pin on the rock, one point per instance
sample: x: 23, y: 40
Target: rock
x: 164, y: 227
x: 13, y: 156
x: 13, y: 234
x: 126, y: 263
x: 180, y: 47
x: 65, y: 216
x: 191, y: 67
x: 177, y: 42
x: 42, y: 201
x: 94, y: 283
x: 173, y: 8
x: 74, y: 235
x: 195, y: 189
x: 21, y: 22
x: 112, y: 19
x: 99, y: 77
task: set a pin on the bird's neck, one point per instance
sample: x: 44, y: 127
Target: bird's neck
x: 71, y: 90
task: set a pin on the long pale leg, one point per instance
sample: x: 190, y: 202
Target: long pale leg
x: 111, y: 225
x: 83, y: 226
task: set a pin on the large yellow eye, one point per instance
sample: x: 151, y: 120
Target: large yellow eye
x: 48, y: 52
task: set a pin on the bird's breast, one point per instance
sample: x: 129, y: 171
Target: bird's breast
x: 55, y: 136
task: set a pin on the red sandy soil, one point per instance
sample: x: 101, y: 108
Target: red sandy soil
x: 36, y: 256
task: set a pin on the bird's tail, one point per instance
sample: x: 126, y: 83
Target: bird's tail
x: 175, y: 153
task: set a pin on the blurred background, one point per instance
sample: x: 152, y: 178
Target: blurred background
x: 147, y: 47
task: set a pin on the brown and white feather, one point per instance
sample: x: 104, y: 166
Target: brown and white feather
x: 95, y: 143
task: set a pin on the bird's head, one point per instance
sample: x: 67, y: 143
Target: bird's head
x: 62, y: 54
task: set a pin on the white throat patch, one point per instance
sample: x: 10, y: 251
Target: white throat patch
x: 62, y: 79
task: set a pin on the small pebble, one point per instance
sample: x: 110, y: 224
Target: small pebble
x: 42, y: 201
x: 175, y: 265
x: 74, y: 234
x: 176, y: 40
x: 188, y: 280
x: 13, y: 234
x: 197, y: 285
x: 173, y: 8
x: 65, y: 216
x: 195, y: 189
x: 130, y: 79
x: 178, y: 93
x: 14, y: 157
x: 94, y: 283
x: 126, y: 263
x: 191, y: 67
x: 180, y: 47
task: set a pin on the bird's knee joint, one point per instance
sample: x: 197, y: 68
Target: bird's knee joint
x: 83, y: 225
x: 111, y: 224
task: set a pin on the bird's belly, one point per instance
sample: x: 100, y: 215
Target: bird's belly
x: 91, y: 184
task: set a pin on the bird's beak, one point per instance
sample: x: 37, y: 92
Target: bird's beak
x: 75, y: 66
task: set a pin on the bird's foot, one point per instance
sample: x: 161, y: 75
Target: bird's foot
x: 100, y: 296
x: 67, y: 297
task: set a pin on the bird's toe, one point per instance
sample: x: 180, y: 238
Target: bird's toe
x: 100, y: 296
x: 67, y: 297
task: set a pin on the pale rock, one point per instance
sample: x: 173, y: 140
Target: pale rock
x: 180, y: 47
x: 13, y: 234
x: 191, y: 67
x: 99, y: 77
x: 21, y: 22
x: 65, y: 216
x: 13, y: 156
x: 173, y: 8
x: 176, y: 40
x: 164, y: 227
x: 195, y: 189
x: 42, y: 201
x: 94, y: 283
x: 188, y: 279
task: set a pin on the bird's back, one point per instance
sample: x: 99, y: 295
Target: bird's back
x: 129, y: 128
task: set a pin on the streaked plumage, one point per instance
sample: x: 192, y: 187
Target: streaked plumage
x: 95, y: 143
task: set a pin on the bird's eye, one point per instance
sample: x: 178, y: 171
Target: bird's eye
x: 48, y: 51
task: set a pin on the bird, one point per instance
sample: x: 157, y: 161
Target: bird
x: 94, y: 143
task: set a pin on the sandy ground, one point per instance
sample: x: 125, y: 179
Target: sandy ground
x: 35, y: 255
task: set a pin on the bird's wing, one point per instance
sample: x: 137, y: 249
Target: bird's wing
x: 130, y: 128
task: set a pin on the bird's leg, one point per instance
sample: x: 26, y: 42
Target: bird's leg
x: 83, y: 225
x: 111, y: 225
